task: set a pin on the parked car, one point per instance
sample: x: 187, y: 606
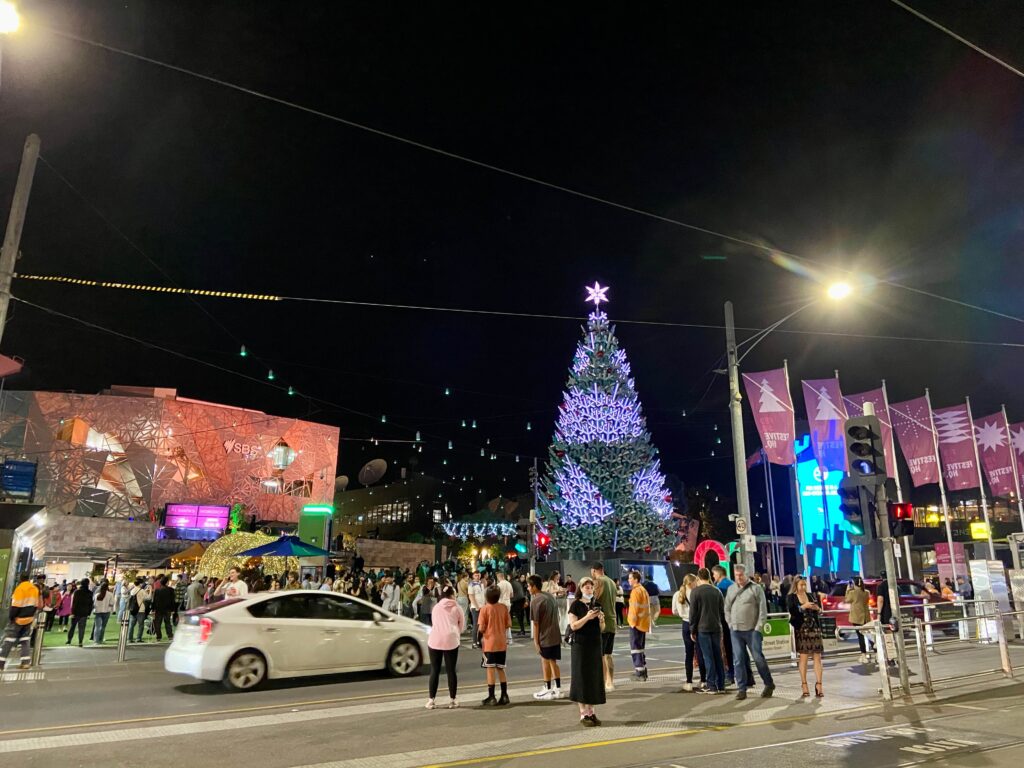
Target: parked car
x: 913, y: 596
x: 243, y: 642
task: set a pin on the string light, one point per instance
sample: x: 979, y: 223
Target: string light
x: 291, y: 390
x: 151, y: 288
x: 474, y: 423
x: 222, y: 555
x: 463, y: 423
x: 243, y: 352
x: 383, y: 418
x: 447, y: 392
x: 270, y: 375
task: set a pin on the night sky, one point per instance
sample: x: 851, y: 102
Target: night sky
x: 849, y: 133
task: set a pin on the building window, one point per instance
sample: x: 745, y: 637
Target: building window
x: 282, y: 455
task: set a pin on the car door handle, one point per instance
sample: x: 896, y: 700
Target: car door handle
x: 270, y: 629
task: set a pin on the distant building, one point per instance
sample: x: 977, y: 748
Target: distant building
x: 394, y: 510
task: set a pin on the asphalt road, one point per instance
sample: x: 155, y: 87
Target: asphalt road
x: 103, y: 714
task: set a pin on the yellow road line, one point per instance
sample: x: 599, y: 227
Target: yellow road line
x: 649, y: 737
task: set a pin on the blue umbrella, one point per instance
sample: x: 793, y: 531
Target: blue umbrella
x: 286, y: 546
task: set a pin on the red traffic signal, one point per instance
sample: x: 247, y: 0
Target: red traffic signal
x: 901, y: 510
x: 543, y: 539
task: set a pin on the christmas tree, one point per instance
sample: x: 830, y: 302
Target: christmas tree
x: 603, y: 488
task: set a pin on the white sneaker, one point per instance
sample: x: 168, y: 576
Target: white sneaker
x: 688, y: 687
x: 453, y: 704
x: 558, y: 693
x: 431, y: 704
x: 545, y: 694
x: 609, y: 686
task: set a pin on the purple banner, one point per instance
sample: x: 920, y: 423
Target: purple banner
x: 855, y: 407
x: 772, y: 406
x: 826, y: 413
x: 913, y: 428
x: 1017, y: 441
x: 956, y: 447
x: 996, y: 455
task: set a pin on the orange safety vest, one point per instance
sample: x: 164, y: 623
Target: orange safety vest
x: 24, y: 603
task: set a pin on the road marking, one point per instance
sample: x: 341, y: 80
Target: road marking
x: 968, y: 706
x: 21, y: 677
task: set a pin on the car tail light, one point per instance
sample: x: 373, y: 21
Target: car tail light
x: 205, y: 628
x: 872, y: 601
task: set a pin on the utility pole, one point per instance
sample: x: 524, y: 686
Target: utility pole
x: 889, y: 556
x: 15, y: 223
x: 532, y: 527
x: 739, y: 448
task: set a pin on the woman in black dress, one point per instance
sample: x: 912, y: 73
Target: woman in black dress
x: 586, y: 620
x: 804, y: 613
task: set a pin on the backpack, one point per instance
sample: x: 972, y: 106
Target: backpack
x: 133, y: 603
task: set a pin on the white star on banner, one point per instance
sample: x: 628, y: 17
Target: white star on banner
x: 990, y: 436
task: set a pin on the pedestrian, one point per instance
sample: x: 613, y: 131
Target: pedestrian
x: 547, y: 639
x: 446, y: 624
x: 655, y: 596
x: 519, y: 604
x: 586, y: 622
x: 25, y: 603
x: 505, y: 597
x: 604, y: 596
x: 804, y: 612
x: 81, y: 607
x: 746, y: 612
x: 50, y: 606
x: 164, y: 607
x: 964, y: 588
x: 194, y: 593
x: 860, y: 615
x: 462, y: 595
x: 64, y: 611
x: 620, y: 604
x: 391, y: 596
x: 553, y: 586
x: 707, y: 616
x: 137, y: 597
x: 232, y: 587
x: 681, y: 608
x: 495, y: 623
x: 639, y: 620
x: 103, y: 606
x: 775, y: 592
x: 477, y: 600
x: 723, y: 582
x: 426, y: 600
x: 180, y: 594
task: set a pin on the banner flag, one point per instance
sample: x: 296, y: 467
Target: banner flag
x: 772, y: 406
x: 1017, y: 441
x: 956, y: 447
x: 996, y: 455
x: 913, y: 429
x: 826, y: 413
x: 855, y: 407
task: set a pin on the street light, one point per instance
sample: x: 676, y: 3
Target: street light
x: 9, y: 18
x: 835, y: 292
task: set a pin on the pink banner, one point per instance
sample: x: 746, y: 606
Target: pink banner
x: 945, y: 560
x: 996, y: 455
x: 826, y: 413
x: 772, y: 405
x: 855, y: 407
x: 1017, y: 441
x: 913, y: 428
x: 956, y: 447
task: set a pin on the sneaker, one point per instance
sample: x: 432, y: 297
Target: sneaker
x: 710, y: 691
x: 558, y: 693
x: 2, y: 665
x: 768, y: 691
x: 586, y: 722
x: 431, y: 704
x: 741, y: 696
x: 545, y: 694
x: 25, y: 665
x: 594, y: 720
x: 640, y: 677
x: 503, y: 700
x: 453, y: 704
x: 688, y: 687
x: 609, y: 686
x: 490, y: 701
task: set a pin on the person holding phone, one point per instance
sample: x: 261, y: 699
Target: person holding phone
x: 586, y: 619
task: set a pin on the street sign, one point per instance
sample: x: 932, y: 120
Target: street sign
x: 741, y: 526
x: 775, y: 642
x: 750, y: 543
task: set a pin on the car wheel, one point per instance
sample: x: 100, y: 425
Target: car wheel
x: 404, y: 658
x: 246, y: 671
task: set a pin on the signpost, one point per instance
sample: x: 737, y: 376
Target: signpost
x: 775, y: 638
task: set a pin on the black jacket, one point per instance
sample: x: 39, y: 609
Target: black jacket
x: 707, y: 609
x: 81, y: 603
x: 164, y: 600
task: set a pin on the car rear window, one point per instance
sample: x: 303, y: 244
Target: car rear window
x: 213, y: 606
x: 839, y: 590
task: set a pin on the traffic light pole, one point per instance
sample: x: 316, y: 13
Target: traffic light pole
x: 15, y: 223
x: 531, y: 536
x: 739, y: 448
x: 889, y: 556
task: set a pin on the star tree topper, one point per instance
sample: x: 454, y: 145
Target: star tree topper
x: 597, y: 293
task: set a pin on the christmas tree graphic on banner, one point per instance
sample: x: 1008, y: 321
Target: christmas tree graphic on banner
x: 827, y: 410
x: 768, y: 402
x: 603, y: 488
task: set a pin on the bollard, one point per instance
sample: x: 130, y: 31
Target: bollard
x: 1004, y: 652
x: 122, y: 639
x: 883, y: 664
x: 965, y: 631
x: 922, y: 656
x: 37, y: 639
x: 929, y: 638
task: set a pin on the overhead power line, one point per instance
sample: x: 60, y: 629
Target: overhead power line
x: 501, y: 170
x: 757, y: 332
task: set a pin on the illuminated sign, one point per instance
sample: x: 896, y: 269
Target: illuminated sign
x: 979, y: 530
x: 819, y: 501
x: 207, y: 517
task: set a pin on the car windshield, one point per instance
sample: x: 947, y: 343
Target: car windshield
x: 213, y: 606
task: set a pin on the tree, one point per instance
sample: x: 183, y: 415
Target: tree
x: 603, y: 487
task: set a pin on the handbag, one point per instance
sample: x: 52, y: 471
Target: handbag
x: 570, y: 635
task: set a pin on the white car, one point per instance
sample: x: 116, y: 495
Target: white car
x: 244, y: 641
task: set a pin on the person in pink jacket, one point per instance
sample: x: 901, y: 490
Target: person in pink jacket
x: 64, y: 610
x: 447, y: 623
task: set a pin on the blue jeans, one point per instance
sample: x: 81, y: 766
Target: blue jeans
x: 746, y: 641
x: 710, y: 649
x: 99, y: 626
x: 136, y: 620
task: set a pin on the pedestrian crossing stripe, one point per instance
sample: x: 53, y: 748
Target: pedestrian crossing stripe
x: 21, y: 677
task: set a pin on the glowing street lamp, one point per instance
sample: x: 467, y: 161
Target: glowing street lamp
x: 839, y: 291
x: 9, y: 18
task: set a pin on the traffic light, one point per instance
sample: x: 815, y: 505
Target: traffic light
x: 543, y: 543
x: 857, y: 504
x: 901, y: 518
x: 865, y: 450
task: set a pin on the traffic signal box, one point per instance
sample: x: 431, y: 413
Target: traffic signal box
x: 857, y: 503
x: 865, y: 451
x: 901, y: 518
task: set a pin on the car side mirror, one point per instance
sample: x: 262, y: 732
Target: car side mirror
x: 378, y: 617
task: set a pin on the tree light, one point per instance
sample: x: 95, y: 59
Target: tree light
x: 838, y: 291
x: 9, y: 18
